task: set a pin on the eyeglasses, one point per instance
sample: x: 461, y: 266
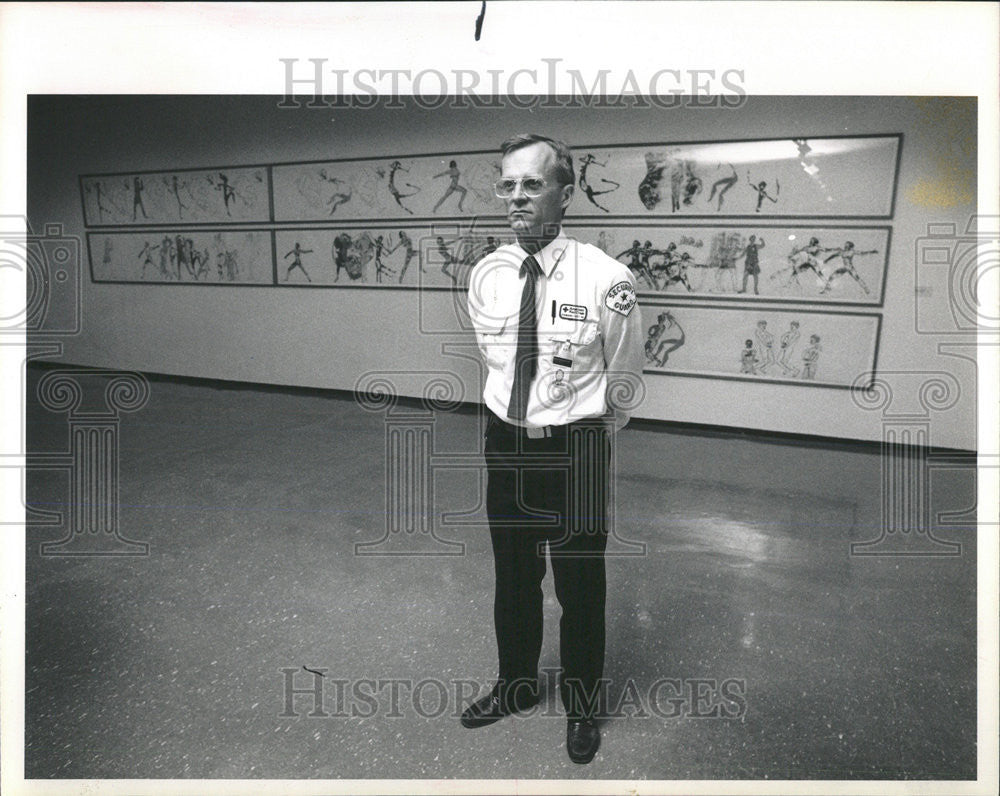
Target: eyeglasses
x: 532, y: 187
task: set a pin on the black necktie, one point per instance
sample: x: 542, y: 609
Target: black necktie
x: 526, y: 358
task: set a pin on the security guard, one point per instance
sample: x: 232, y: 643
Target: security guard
x: 558, y: 326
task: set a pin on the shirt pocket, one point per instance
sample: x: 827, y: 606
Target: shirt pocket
x: 571, y: 348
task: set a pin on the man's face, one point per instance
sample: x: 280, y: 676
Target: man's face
x: 540, y: 216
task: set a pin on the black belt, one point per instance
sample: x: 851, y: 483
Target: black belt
x: 538, y: 432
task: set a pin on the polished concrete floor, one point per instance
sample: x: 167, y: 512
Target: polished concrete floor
x: 745, y: 641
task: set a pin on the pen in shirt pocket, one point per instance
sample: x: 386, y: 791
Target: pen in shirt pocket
x: 553, y: 311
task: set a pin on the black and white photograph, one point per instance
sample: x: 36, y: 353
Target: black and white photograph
x: 479, y: 397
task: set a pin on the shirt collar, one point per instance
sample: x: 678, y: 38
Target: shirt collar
x: 553, y: 253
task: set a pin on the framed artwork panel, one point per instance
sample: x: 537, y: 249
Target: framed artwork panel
x: 200, y: 196
x: 749, y: 263
x: 182, y: 256
x: 842, y: 177
x: 425, y: 256
x: 405, y: 188
x: 792, y: 346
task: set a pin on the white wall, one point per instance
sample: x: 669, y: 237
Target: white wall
x: 328, y: 337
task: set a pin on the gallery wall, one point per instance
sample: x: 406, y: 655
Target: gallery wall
x: 336, y: 336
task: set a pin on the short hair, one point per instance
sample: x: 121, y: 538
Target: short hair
x: 564, y: 157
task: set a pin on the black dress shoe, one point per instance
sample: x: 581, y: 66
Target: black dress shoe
x: 489, y: 709
x: 582, y: 740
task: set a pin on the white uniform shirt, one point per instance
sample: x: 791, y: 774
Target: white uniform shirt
x: 590, y: 332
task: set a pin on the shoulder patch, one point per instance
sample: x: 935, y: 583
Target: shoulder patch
x: 621, y: 298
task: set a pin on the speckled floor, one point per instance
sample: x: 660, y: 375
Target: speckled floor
x: 745, y: 643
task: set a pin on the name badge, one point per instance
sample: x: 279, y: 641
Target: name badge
x: 573, y: 312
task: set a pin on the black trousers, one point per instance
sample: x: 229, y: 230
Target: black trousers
x: 552, y: 492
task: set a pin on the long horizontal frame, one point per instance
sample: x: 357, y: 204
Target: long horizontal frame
x: 877, y: 301
x: 465, y: 153
x: 649, y: 309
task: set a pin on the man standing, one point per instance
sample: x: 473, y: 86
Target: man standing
x: 558, y: 326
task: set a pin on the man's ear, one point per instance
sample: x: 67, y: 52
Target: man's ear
x: 567, y: 195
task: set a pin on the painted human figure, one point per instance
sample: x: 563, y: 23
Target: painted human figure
x: 341, y: 244
x: 228, y: 192
x: 181, y: 256
x: 454, y: 174
x: 662, y: 271
x: 491, y: 245
x: 167, y: 257
x: 635, y: 263
x: 101, y: 207
x: 106, y: 259
x: 719, y: 187
x: 296, y: 255
x: 787, y: 342
x: 810, y: 357
x: 175, y: 188
x: 232, y: 267
x: 649, y: 187
x: 398, y: 195
x: 380, y: 267
x: 147, y: 258
x: 676, y: 186
x: 340, y: 196
x: 751, y: 263
x: 199, y: 261
x: 801, y: 259
x: 645, y: 253
x: 765, y: 346
x: 692, y: 184
x: 725, y: 265
x: 587, y: 188
x: 137, y: 188
x: 653, y: 335
x: 748, y: 358
x: 410, y: 252
x: 846, y: 253
x: 448, y: 257
x: 663, y: 338
x: 678, y: 272
x: 761, y: 189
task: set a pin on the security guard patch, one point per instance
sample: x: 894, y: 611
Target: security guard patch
x: 621, y: 298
